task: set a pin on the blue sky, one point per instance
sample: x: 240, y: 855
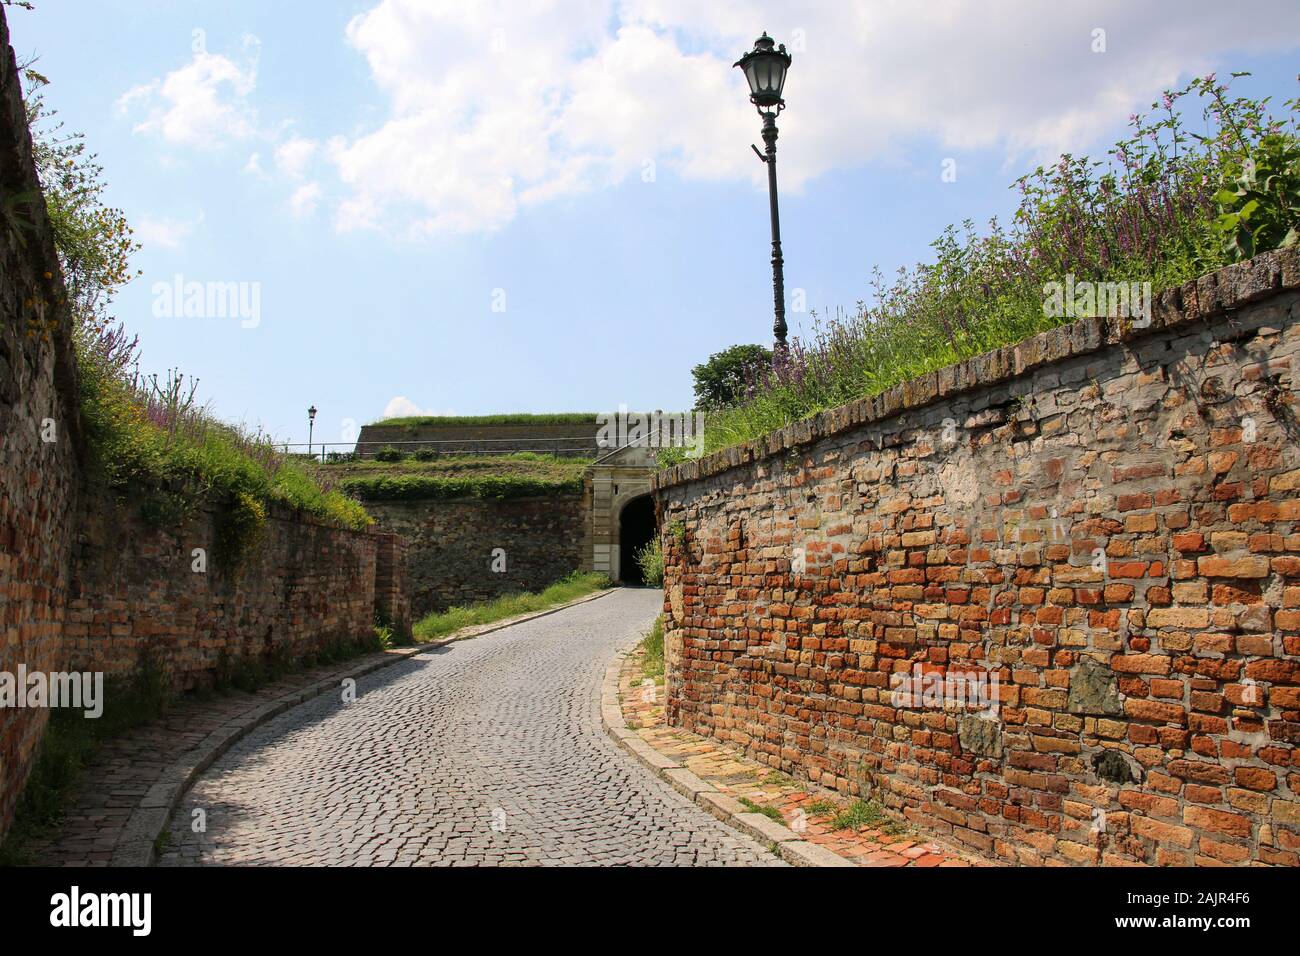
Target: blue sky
x: 386, y: 171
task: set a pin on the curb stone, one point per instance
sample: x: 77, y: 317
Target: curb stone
x: 787, y: 844
x: 151, y: 816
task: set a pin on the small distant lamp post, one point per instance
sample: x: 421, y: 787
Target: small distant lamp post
x: 311, y: 425
x: 765, y: 67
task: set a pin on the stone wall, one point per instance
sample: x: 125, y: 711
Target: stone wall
x: 573, y: 440
x: 451, y: 544
x: 1103, y: 521
x: 37, y: 476
x: 393, y: 584
x: 136, y: 591
x: 86, y: 581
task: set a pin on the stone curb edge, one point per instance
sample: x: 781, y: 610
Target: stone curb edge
x: 787, y: 844
x: 151, y: 815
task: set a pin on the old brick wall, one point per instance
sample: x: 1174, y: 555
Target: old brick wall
x: 135, y: 591
x: 86, y: 582
x: 1107, y: 518
x: 393, y: 583
x: 37, y: 402
x: 451, y: 545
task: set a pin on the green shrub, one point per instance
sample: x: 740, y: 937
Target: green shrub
x: 389, y: 453
x: 721, y: 381
x: 138, y: 430
x: 651, y: 561
x: 406, y: 487
x: 1259, y: 204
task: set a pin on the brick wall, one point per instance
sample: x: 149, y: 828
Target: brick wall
x: 85, y: 580
x: 451, y: 544
x: 37, y: 477
x: 393, y: 583
x: 1106, y: 518
x: 135, y: 590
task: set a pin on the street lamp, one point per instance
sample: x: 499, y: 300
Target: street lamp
x: 765, y: 69
x: 311, y: 424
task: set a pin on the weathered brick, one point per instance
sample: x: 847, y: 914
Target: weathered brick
x: 1128, y: 638
x: 1216, y: 566
x: 1219, y: 821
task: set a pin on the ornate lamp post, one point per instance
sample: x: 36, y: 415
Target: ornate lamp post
x: 765, y: 70
x: 311, y: 424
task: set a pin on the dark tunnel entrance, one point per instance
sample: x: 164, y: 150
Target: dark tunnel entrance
x: 636, y: 529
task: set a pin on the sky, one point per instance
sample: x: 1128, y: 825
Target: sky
x: 480, y: 206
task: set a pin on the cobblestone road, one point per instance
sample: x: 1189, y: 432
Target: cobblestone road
x: 486, y: 752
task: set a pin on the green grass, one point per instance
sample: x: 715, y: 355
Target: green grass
x: 859, y: 813
x: 515, y: 418
x: 520, y: 475
x: 821, y: 808
x: 437, y: 487
x: 575, y: 585
x: 133, y: 436
x: 772, y: 813
x: 652, y: 659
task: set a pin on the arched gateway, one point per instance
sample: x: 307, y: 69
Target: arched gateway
x: 621, y: 516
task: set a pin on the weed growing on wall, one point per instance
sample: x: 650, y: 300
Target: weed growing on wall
x: 239, y: 529
x: 652, y: 648
x: 650, y: 559
x: 140, y: 428
x: 1170, y: 204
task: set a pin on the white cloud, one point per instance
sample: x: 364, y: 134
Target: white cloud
x: 164, y: 232
x: 402, y: 407
x: 293, y: 155
x: 254, y: 167
x: 495, y: 105
x: 202, y: 104
x: 304, y: 200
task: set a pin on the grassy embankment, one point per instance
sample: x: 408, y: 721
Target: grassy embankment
x: 576, y: 585
x: 520, y: 475
x: 511, y: 418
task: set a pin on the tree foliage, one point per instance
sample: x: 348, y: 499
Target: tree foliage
x: 722, y: 381
x: 93, y: 239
